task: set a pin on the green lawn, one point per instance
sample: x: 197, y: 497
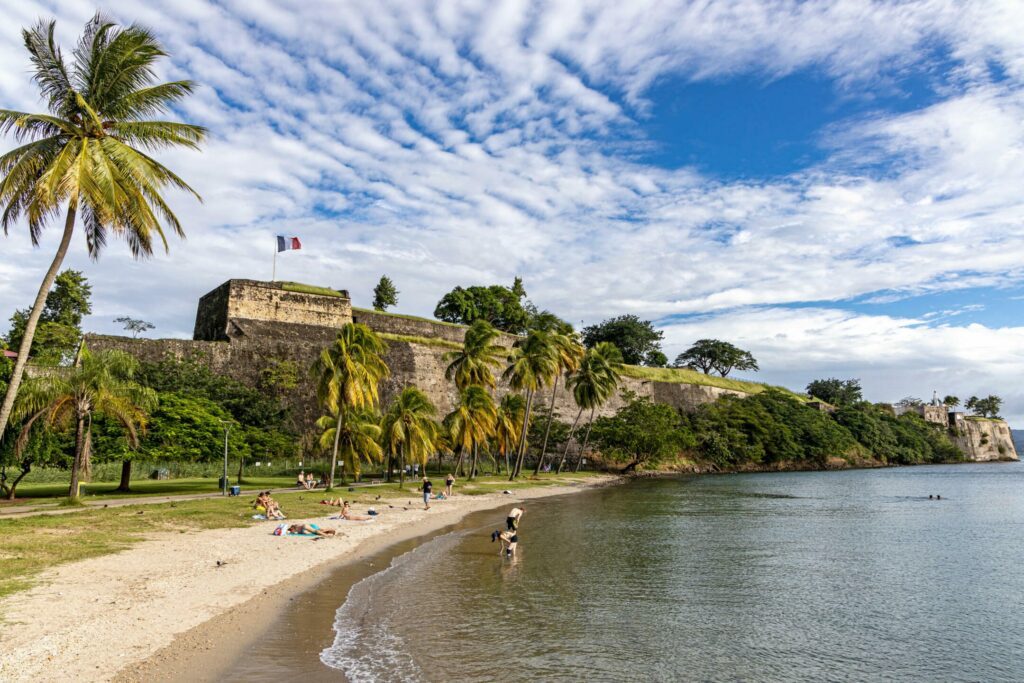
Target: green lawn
x: 29, y: 545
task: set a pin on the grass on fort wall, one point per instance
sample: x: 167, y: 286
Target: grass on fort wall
x: 687, y: 376
x: 32, y: 544
x: 417, y: 318
x: 425, y: 341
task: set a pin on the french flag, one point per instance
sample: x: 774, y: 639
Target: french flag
x: 286, y: 243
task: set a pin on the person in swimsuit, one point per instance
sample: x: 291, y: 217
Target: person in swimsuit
x: 335, y: 502
x: 298, y: 529
x: 346, y: 513
x: 514, y: 515
x: 449, y: 481
x: 509, y: 541
x: 427, y: 488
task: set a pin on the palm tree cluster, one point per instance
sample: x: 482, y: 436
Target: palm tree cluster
x: 408, y: 432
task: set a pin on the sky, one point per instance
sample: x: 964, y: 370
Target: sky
x: 836, y: 186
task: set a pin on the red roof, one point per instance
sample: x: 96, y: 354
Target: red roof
x: 10, y: 354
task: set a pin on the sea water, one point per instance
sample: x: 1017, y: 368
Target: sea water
x: 823, y: 576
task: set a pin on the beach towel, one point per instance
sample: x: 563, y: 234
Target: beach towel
x: 282, y: 530
x: 259, y: 516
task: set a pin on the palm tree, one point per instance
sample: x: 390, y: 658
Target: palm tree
x: 508, y: 424
x: 358, y: 441
x: 532, y: 366
x: 100, y: 384
x: 473, y: 364
x: 85, y: 154
x: 410, y: 430
x: 568, y: 354
x: 348, y: 374
x: 472, y: 422
x: 591, y: 385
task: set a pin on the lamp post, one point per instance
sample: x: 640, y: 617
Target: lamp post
x: 224, y: 480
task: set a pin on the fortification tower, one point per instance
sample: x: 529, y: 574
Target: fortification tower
x: 239, y: 303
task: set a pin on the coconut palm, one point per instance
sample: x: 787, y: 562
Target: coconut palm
x: 101, y: 384
x: 358, y: 441
x: 592, y: 384
x: 474, y: 364
x: 349, y: 372
x: 508, y: 425
x: 472, y: 422
x: 532, y: 366
x: 568, y: 354
x: 85, y: 157
x: 410, y: 431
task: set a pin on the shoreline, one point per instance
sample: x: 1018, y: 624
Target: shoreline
x: 148, y: 612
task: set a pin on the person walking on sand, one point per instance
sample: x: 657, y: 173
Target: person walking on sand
x: 428, y: 487
x: 449, y: 481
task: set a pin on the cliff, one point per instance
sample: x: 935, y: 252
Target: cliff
x: 984, y: 439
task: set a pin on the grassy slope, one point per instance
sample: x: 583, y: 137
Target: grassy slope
x: 32, y: 544
x: 407, y: 317
x: 686, y: 376
x: 425, y: 341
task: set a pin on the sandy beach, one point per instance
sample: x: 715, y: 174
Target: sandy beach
x: 105, y: 618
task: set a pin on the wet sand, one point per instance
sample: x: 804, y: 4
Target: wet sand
x: 291, y: 620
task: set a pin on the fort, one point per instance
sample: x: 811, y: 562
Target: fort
x: 244, y: 327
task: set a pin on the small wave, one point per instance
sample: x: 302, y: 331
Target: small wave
x: 366, y: 647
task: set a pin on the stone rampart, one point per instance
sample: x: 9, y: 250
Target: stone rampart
x: 268, y: 302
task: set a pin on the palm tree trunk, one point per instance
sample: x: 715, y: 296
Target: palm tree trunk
x: 472, y: 469
x: 87, y: 452
x: 241, y: 461
x: 547, y: 430
x: 33, y: 317
x: 583, y: 448
x: 521, y: 455
x: 126, y: 475
x: 401, y: 467
x: 77, y: 463
x: 561, y: 463
x: 334, y: 453
x: 458, y: 463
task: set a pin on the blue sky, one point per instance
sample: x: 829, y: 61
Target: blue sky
x: 835, y: 186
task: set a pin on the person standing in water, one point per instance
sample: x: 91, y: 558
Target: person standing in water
x: 427, y: 488
x: 514, y: 515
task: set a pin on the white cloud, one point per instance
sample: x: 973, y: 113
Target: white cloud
x: 467, y: 141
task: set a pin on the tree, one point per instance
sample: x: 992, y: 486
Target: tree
x: 640, y: 432
x: 910, y: 402
x: 517, y: 288
x: 348, y: 374
x: 358, y: 441
x: 591, y: 385
x: 508, y: 426
x: 951, y: 401
x: 838, y: 392
x: 473, y: 364
x: 385, y: 294
x: 984, y: 407
x: 713, y: 354
x: 409, y: 430
x: 636, y: 339
x: 655, y: 359
x: 85, y: 154
x: 532, y: 366
x: 498, y: 305
x: 103, y: 384
x: 134, y: 325
x: 60, y: 324
x: 568, y: 356
x: 472, y: 423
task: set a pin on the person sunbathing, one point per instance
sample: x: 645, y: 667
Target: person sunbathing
x: 309, y: 529
x: 336, y: 502
x: 346, y: 513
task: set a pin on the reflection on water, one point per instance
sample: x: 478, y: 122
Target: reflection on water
x: 785, y: 577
